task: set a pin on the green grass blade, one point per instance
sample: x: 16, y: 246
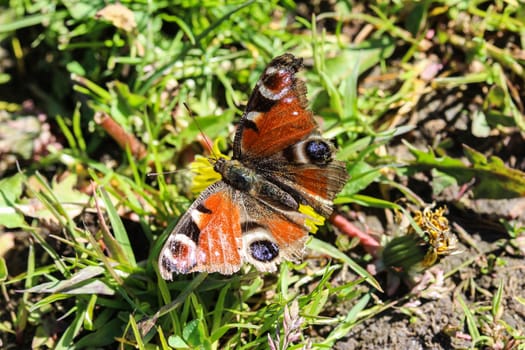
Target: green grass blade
x: 120, y: 247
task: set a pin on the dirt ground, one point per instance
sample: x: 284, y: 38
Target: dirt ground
x: 438, y: 323
x: 486, y: 255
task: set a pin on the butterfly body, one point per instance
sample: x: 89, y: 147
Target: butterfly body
x: 280, y: 162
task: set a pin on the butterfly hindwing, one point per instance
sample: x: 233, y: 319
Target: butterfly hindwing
x: 216, y: 234
x: 271, y: 235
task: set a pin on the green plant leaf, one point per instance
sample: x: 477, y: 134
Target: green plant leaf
x: 368, y: 54
x: 66, y: 340
x: 349, y: 322
x: 325, y: 248
x: 193, y: 334
x: 63, y: 199
x: 103, y: 336
x: 10, y: 192
x: 493, y: 178
x: 3, y: 269
x: 82, y: 282
x: 176, y: 341
x: 119, y: 246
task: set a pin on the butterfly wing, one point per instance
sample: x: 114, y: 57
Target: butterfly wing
x: 270, y: 235
x: 208, y: 236
x: 276, y: 115
x: 315, y: 185
x: 225, y: 227
x: 254, y: 216
x: 279, y: 137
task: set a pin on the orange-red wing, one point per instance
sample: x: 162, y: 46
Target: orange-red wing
x: 276, y: 116
x: 286, y: 233
x: 219, y: 240
x: 283, y: 125
x: 325, y: 182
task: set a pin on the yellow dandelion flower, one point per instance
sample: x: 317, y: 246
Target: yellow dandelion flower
x: 202, y: 168
x: 436, y: 233
x: 421, y: 248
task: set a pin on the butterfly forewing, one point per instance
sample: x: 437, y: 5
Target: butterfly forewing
x: 276, y: 116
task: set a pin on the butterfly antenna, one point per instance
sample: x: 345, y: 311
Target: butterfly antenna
x: 203, y: 138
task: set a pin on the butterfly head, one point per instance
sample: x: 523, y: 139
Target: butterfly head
x: 203, y: 168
